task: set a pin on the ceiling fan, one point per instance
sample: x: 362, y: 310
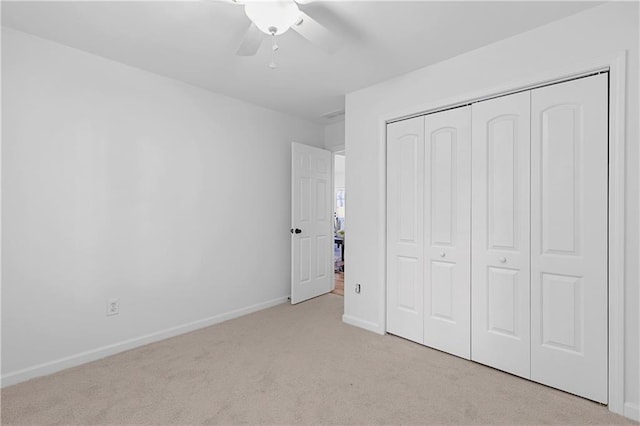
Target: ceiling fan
x: 275, y: 17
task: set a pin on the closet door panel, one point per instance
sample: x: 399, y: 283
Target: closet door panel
x: 569, y: 236
x: 500, y: 233
x: 405, y: 245
x: 447, y: 159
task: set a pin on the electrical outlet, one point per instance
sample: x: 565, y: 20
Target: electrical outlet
x: 113, y: 307
x: 358, y: 288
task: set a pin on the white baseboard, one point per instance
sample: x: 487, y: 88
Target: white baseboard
x: 104, y: 351
x: 632, y: 411
x: 367, y: 325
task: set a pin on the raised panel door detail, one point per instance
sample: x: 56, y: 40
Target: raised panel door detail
x: 562, y: 312
x: 407, y: 283
x: 322, y: 261
x: 502, y: 179
x: 447, y: 228
x: 442, y: 282
x: 305, y: 162
x: 323, y: 166
x: 405, y: 244
x: 304, y: 200
x: 561, y: 169
x: 569, y: 236
x: 408, y: 188
x: 321, y: 197
x: 305, y: 260
x: 500, y: 271
x: 502, y: 312
x: 443, y: 186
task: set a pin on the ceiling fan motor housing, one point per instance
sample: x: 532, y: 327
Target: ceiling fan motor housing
x: 279, y: 15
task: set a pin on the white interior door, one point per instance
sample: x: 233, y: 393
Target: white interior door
x: 500, y: 248
x: 311, y: 226
x: 447, y: 222
x: 405, y: 245
x: 569, y: 236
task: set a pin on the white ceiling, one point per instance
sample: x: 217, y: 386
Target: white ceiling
x: 195, y: 42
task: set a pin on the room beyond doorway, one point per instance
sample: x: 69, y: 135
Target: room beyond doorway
x: 339, y: 221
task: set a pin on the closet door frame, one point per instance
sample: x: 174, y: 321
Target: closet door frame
x: 615, y: 64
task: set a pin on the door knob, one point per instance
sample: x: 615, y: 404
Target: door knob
x: 297, y: 230
x: 442, y: 254
x: 502, y: 259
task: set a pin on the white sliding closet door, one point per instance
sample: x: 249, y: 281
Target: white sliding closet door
x: 447, y: 221
x: 569, y: 236
x: 500, y: 253
x: 405, y: 246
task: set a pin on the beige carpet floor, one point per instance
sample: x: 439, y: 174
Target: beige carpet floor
x: 290, y: 365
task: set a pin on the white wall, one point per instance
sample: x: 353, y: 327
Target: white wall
x: 121, y: 183
x: 339, y: 171
x: 600, y: 31
x: 334, y: 135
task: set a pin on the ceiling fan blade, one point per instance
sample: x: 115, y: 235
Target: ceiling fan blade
x: 316, y: 33
x: 227, y: 1
x: 251, y: 41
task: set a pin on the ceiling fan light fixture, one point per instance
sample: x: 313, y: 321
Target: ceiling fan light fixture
x: 280, y: 14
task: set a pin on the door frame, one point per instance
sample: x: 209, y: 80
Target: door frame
x: 615, y: 64
x: 335, y: 150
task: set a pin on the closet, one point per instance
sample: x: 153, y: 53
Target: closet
x: 497, y: 233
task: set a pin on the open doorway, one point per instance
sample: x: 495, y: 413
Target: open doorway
x: 339, y: 221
